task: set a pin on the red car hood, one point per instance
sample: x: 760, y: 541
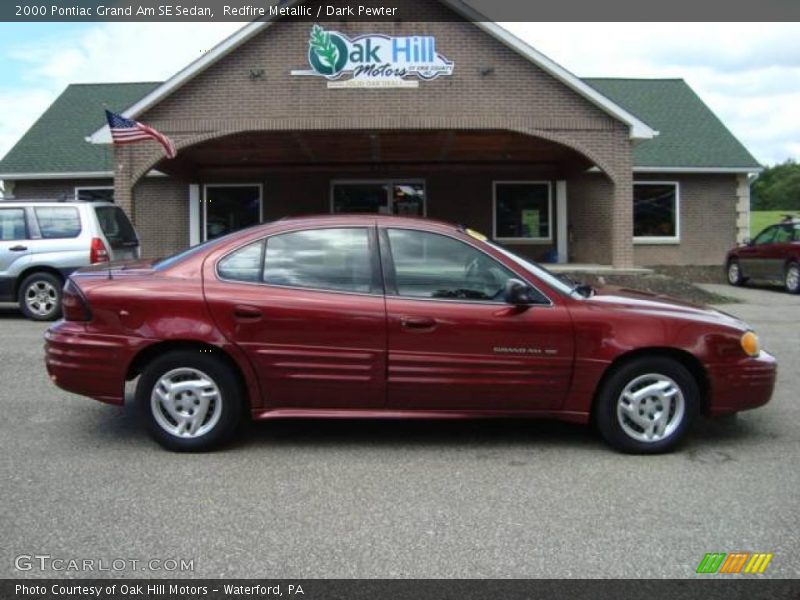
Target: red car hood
x: 657, y: 304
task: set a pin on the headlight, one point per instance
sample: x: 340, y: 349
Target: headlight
x: 749, y: 343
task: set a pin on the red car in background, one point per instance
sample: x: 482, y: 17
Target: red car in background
x: 773, y: 255
x: 379, y: 316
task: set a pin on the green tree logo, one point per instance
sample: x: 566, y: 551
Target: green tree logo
x: 327, y: 52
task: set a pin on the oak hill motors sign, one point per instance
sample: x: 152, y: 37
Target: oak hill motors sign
x: 373, y: 60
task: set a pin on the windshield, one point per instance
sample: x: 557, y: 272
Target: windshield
x: 168, y: 261
x: 551, y: 279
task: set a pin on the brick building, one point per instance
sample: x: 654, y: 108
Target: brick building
x: 475, y: 127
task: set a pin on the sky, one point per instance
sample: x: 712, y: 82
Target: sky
x: 749, y: 74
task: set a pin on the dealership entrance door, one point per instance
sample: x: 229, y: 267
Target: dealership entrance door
x: 385, y: 197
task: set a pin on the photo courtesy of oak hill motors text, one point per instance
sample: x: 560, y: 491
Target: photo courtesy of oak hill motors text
x: 247, y: 11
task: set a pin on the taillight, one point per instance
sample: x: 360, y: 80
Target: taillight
x: 74, y: 306
x: 98, y: 252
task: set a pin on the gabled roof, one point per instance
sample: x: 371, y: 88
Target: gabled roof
x: 691, y: 137
x: 638, y: 128
x: 55, y: 144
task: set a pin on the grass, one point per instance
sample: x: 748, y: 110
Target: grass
x: 759, y: 219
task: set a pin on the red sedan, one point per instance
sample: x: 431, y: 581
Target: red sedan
x: 373, y: 316
x: 774, y: 254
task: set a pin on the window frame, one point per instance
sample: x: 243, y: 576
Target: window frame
x: 550, y: 216
x: 377, y: 281
x: 204, y: 203
x: 76, y: 191
x: 390, y: 282
x: 391, y: 182
x: 659, y: 239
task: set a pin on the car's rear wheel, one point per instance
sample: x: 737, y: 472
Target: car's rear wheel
x: 647, y: 405
x: 39, y: 296
x: 792, y: 278
x: 734, y: 271
x: 191, y: 401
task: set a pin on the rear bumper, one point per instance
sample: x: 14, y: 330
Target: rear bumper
x: 88, y: 364
x: 742, y: 385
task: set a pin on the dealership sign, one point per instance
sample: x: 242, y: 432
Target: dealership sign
x: 373, y: 60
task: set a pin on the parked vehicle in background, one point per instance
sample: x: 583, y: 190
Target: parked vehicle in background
x: 773, y: 255
x: 42, y: 242
x: 380, y: 316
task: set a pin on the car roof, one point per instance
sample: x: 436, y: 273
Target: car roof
x: 366, y: 219
x: 46, y: 202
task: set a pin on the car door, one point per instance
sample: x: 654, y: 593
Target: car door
x: 454, y: 344
x: 775, y: 253
x: 753, y: 257
x: 307, y: 308
x: 14, y: 248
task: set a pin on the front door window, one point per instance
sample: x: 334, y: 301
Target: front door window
x: 381, y: 197
x: 228, y: 208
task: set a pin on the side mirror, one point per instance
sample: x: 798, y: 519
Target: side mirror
x: 518, y: 293
x: 747, y: 242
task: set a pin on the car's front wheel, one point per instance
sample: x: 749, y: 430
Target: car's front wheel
x: 792, y: 278
x: 40, y: 296
x: 734, y: 272
x: 190, y: 400
x: 647, y: 405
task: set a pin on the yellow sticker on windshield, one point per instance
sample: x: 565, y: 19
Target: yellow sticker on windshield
x: 476, y: 234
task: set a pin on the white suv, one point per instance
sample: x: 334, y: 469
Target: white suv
x: 42, y: 242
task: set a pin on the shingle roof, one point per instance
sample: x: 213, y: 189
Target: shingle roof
x: 55, y: 142
x: 690, y: 135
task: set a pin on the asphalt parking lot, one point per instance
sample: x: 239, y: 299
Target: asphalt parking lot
x: 396, y: 499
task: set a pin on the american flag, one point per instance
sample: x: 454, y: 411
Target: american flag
x: 125, y: 131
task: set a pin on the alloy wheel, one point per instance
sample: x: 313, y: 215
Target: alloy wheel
x: 186, y: 403
x: 650, y: 408
x: 41, y: 298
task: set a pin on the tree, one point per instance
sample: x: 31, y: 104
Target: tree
x: 777, y: 188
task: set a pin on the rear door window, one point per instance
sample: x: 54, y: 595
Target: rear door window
x: 116, y: 226
x: 12, y: 224
x: 325, y: 259
x: 58, y: 221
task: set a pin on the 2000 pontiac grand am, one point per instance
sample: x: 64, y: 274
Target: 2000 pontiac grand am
x: 373, y: 316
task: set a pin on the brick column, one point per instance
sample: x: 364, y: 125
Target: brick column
x: 123, y: 188
x: 622, y: 221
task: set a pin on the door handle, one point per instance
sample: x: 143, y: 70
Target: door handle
x: 418, y: 323
x: 245, y: 312
x: 18, y: 248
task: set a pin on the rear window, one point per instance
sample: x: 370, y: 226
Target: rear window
x: 58, y: 221
x: 116, y: 226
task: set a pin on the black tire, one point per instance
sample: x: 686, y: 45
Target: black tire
x: 230, y: 399
x: 733, y: 273
x: 791, y: 278
x: 609, y: 403
x: 39, y: 296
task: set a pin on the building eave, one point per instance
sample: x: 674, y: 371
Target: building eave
x: 698, y: 169
x: 57, y: 175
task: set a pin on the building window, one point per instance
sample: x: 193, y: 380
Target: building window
x: 230, y: 207
x: 523, y: 211
x: 95, y: 193
x: 400, y: 197
x: 656, y: 212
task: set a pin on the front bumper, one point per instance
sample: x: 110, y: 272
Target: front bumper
x: 88, y: 364
x: 745, y: 384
